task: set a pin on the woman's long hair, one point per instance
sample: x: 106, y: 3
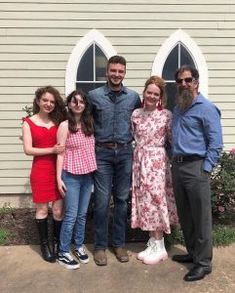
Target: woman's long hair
x: 59, y: 113
x: 87, y: 123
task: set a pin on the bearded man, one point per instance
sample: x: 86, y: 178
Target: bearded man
x: 196, y: 146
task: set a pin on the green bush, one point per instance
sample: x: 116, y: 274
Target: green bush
x: 223, y: 186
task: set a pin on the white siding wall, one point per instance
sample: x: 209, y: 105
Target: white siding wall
x: 37, y: 37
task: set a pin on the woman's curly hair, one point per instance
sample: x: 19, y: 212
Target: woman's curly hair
x: 59, y: 112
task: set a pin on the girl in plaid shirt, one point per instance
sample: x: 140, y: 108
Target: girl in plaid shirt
x: 74, y: 177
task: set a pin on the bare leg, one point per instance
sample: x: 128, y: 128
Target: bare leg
x: 158, y: 235
x: 57, y: 210
x: 41, y: 211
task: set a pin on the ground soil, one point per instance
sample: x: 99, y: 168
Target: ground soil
x: 21, y: 227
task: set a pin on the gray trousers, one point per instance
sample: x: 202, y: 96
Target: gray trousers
x: 193, y: 199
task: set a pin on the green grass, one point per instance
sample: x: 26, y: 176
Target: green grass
x: 3, y: 236
x: 223, y: 235
x: 6, y: 208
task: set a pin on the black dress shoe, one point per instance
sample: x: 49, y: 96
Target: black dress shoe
x: 184, y: 258
x: 197, y: 273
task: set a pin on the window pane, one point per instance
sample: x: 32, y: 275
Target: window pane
x: 171, y: 64
x: 171, y: 95
x: 100, y: 64
x: 185, y: 57
x: 86, y: 87
x: 85, y: 68
x: 169, y: 69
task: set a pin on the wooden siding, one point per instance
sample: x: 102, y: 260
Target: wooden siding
x: 37, y: 37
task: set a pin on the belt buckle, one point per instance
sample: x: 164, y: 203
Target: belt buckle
x: 115, y: 145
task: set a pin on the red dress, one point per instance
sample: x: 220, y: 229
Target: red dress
x: 43, y: 172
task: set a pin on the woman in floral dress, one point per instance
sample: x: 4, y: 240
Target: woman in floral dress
x: 153, y: 203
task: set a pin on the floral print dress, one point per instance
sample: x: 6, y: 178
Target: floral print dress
x: 153, y: 202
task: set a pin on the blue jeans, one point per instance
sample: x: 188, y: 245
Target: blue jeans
x: 76, y: 203
x: 113, y: 175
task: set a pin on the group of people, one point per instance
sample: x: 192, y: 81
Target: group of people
x: 112, y: 140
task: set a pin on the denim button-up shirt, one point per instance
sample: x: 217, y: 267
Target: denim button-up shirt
x: 197, y: 131
x: 112, y: 113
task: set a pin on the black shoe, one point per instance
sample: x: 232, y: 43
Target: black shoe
x: 67, y: 261
x: 184, y: 258
x: 81, y: 254
x: 197, y: 273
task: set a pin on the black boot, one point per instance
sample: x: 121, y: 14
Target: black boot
x: 56, y: 236
x: 43, y: 235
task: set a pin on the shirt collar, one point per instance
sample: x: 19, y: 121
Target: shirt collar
x: 198, y: 99
x: 108, y: 90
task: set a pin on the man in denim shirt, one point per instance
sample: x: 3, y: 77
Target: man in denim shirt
x: 112, y: 106
x: 196, y: 146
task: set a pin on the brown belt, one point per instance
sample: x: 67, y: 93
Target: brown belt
x: 111, y: 145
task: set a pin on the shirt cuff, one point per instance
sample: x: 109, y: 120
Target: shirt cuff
x: 207, y: 166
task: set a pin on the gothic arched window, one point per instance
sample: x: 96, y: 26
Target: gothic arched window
x: 177, y: 50
x: 91, y: 69
x: 178, y: 56
x: 86, y: 66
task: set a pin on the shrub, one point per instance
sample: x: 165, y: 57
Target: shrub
x: 223, y: 186
x: 28, y: 110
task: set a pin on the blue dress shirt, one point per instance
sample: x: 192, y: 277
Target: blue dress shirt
x: 197, y: 131
x: 112, y: 111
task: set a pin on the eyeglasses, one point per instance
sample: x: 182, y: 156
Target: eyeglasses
x: 187, y: 80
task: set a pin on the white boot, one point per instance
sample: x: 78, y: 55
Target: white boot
x: 157, y: 253
x: 141, y: 255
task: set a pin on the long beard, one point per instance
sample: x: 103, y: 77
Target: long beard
x: 184, y: 98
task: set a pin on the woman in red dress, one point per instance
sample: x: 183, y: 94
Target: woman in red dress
x: 39, y: 140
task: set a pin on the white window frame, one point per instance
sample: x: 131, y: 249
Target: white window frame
x: 193, y: 49
x: 91, y: 37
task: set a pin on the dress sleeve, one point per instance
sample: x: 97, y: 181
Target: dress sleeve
x: 168, y: 127
x: 169, y: 134
x: 132, y: 123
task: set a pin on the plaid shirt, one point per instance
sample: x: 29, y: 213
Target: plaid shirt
x: 79, y: 155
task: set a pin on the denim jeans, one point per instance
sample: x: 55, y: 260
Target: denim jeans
x: 76, y: 203
x: 113, y: 175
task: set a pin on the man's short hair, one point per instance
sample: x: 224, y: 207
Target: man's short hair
x: 193, y: 70
x: 117, y: 59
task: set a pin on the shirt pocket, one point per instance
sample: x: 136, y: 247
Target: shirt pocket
x: 191, y: 122
x: 124, y: 112
x: 103, y: 115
